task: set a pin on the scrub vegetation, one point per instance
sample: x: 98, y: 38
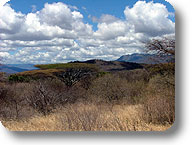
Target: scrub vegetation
x: 94, y: 95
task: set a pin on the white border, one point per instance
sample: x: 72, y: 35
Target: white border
x: 180, y: 133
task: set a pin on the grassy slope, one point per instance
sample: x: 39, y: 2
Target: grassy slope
x: 49, y: 70
x: 65, y: 66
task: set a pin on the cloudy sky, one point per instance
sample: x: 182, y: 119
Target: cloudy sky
x: 52, y: 31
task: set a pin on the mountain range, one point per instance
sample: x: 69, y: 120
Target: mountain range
x: 118, y: 64
x: 15, y: 68
x: 146, y: 58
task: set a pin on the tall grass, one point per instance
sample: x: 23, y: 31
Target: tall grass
x: 159, y: 101
x: 88, y: 117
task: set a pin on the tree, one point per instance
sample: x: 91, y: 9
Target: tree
x: 164, y: 46
x: 73, y: 75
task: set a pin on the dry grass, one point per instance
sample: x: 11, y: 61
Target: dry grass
x: 88, y: 117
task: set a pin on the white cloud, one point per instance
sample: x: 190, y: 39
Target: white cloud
x: 4, y: 54
x: 3, y: 2
x: 53, y: 21
x: 149, y: 18
x: 105, y: 18
x: 111, y: 30
x: 10, y: 21
x: 72, y: 7
x: 56, y: 14
x: 57, y: 33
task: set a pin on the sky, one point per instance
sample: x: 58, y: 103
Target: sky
x: 57, y: 31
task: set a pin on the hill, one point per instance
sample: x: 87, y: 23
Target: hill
x: 112, y: 66
x: 15, y: 68
x: 10, y: 69
x: 146, y: 58
x: 77, y: 69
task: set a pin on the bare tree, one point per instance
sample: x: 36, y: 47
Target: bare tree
x: 73, y: 75
x: 45, y: 96
x: 164, y: 46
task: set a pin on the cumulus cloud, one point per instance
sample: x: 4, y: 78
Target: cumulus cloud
x: 111, y: 30
x: 56, y: 14
x: 10, y: 21
x: 149, y: 18
x: 53, y: 21
x: 58, y: 33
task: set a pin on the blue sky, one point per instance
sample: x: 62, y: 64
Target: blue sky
x: 67, y: 30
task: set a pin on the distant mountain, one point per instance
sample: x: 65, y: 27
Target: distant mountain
x: 146, y: 58
x: 15, y: 68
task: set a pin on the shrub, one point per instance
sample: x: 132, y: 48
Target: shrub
x: 135, y: 75
x: 46, y: 95
x: 113, y: 89
x: 13, y: 104
x: 49, y: 94
x: 159, y: 103
x: 18, y: 78
x: 73, y: 75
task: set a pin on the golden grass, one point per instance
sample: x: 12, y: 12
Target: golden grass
x: 88, y: 117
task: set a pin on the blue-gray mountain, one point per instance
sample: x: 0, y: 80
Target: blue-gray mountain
x: 15, y: 68
x: 147, y: 58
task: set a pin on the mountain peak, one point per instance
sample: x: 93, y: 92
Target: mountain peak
x: 146, y: 58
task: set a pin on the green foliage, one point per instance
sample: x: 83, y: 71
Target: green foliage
x: 66, y: 66
x: 161, y: 69
x: 101, y: 74
x: 73, y: 75
x: 18, y: 78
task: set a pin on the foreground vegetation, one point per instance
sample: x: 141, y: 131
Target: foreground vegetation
x: 82, y: 97
x: 88, y: 117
